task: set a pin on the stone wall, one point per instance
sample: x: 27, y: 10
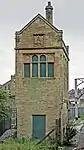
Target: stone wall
x: 13, y: 104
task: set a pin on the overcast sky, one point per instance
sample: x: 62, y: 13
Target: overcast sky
x: 68, y: 16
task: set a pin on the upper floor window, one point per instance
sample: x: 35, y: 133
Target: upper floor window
x: 26, y: 70
x: 35, y: 66
x: 42, y: 66
x: 50, y: 69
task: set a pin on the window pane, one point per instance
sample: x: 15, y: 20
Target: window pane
x: 26, y: 70
x: 42, y: 58
x: 35, y: 58
x: 35, y: 70
x: 42, y: 69
x: 50, y: 69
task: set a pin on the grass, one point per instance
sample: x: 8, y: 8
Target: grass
x: 14, y: 144
x: 75, y: 122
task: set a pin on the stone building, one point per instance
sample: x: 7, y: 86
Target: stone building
x: 6, y: 85
x: 80, y: 103
x: 41, y: 77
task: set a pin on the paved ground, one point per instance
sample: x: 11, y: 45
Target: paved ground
x: 7, y: 134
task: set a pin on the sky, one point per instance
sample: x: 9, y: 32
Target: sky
x: 68, y: 16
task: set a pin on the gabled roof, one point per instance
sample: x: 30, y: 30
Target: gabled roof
x: 8, y: 82
x: 41, y: 17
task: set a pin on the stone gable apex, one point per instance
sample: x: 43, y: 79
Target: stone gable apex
x: 34, y: 19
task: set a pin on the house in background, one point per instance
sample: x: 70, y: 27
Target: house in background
x: 9, y: 122
x: 41, y: 77
x: 72, y: 103
x: 5, y: 123
x: 6, y: 85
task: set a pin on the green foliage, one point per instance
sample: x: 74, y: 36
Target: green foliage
x: 70, y: 133
x: 4, y: 103
x: 81, y: 117
x: 15, y: 144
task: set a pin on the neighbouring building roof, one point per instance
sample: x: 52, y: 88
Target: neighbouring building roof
x: 71, y: 95
x: 6, y: 85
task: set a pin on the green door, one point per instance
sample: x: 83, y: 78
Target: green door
x: 38, y: 126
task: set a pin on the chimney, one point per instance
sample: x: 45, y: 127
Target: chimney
x: 49, y: 13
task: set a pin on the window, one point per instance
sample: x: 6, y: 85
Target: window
x: 26, y: 70
x: 42, y: 66
x: 50, y: 69
x: 38, y: 66
x: 35, y: 66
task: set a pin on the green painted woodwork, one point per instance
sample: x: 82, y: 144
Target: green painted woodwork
x: 26, y: 70
x: 38, y: 126
x: 50, y: 69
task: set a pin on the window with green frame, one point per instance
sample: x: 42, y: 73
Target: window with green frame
x: 35, y: 66
x: 26, y: 69
x: 50, y: 69
x: 42, y: 66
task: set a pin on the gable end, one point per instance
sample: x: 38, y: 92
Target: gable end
x: 41, y: 17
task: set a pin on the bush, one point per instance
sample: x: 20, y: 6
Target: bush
x: 70, y: 133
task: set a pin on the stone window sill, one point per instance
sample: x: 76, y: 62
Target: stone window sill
x: 39, y: 78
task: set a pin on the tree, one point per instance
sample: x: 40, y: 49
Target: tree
x: 4, y: 103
